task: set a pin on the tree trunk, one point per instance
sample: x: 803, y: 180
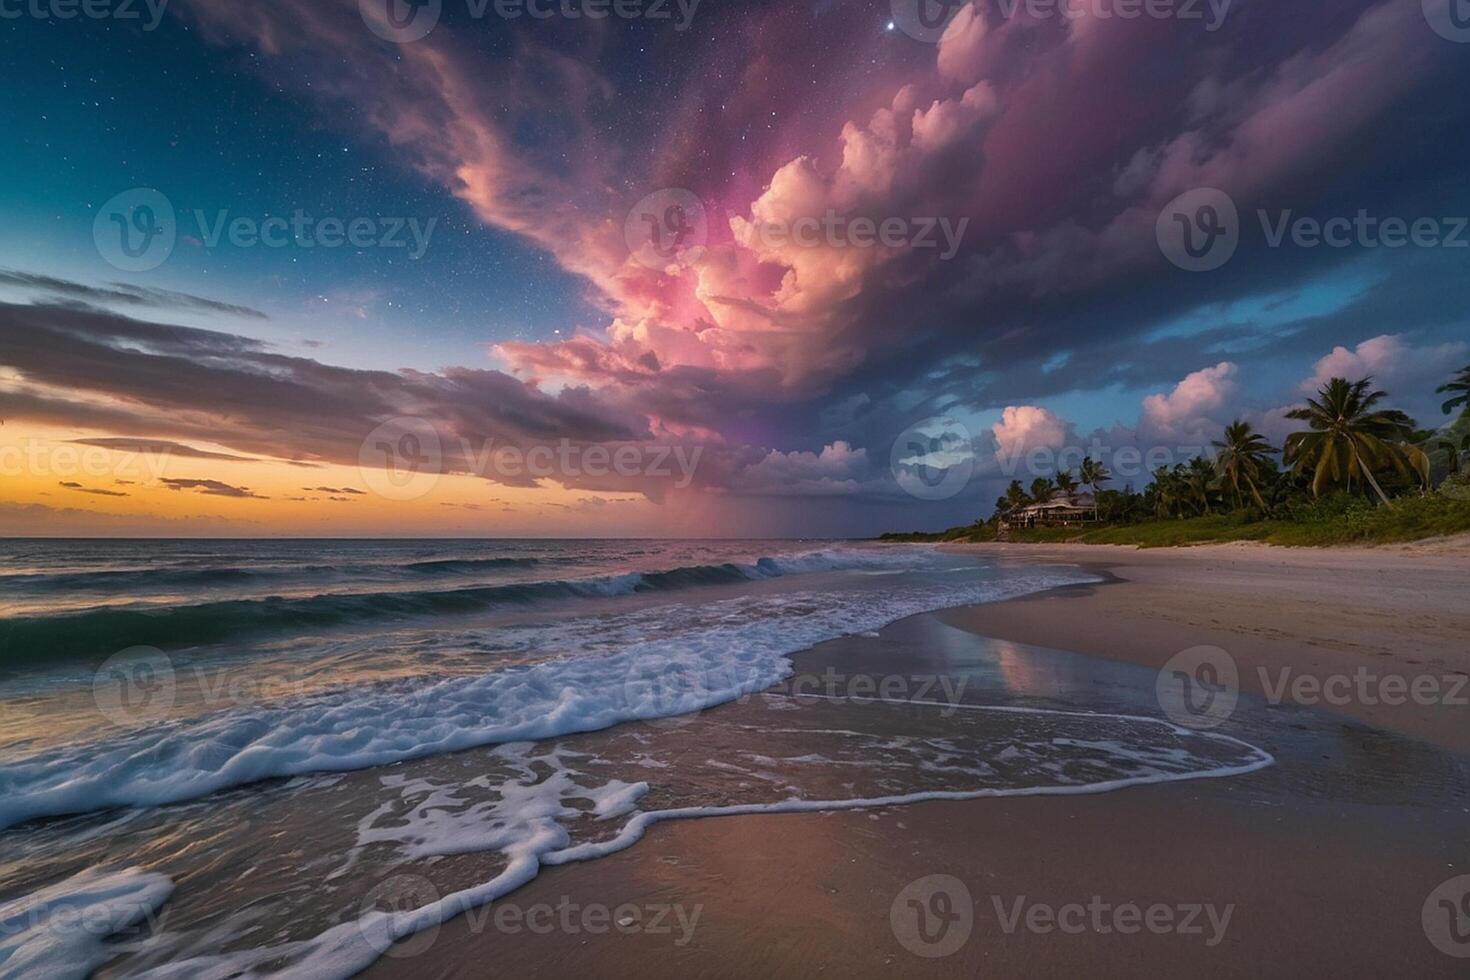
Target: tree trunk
x: 1372, y: 482
x: 1256, y: 494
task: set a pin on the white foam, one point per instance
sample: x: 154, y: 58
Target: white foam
x: 738, y: 647
x: 62, y: 930
x: 530, y: 836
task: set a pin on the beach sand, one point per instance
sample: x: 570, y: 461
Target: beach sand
x: 1324, y: 861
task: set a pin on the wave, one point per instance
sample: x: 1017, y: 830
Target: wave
x: 145, y: 579
x: 467, y: 566
x: 529, y: 825
x: 103, y: 631
x: 362, y: 727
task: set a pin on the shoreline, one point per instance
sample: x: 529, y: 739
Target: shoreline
x: 1281, y: 614
x: 1289, y: 848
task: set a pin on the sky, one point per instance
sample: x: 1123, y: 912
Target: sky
x: 711, y: 269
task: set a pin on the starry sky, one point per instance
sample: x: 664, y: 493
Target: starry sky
x: 607, y: 260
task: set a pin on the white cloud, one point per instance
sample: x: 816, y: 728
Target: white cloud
x: 838, y: 470
x: 1188, y: 411
x: 1389, y: 361
x: 1025, y: 427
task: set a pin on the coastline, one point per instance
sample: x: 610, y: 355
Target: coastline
x: 1325, y: 859
x: 1313, y: 612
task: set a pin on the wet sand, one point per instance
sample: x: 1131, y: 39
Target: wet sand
x: 1323, y: 861
x: 1383, y: 612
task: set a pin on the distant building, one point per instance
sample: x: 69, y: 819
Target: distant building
x: 1061, y: 510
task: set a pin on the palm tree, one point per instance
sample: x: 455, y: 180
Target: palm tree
x: 1093, y: 474
x: 1461, y: 387
x: 1042, y: 490
x: 1015, y: 497
x: 1066, y: 483
x: 1167, y: 492
x: 1199, y: 480
x: 1348, y: 435
x: 1243, y: 453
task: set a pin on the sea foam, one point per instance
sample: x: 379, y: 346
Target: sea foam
x: 356, y: 728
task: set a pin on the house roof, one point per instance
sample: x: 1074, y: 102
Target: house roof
x: 1062, y: 501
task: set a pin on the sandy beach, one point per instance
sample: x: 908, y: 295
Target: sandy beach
x: 1323, y: 864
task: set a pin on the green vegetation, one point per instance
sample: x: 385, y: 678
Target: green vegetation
x: 1358, y: 474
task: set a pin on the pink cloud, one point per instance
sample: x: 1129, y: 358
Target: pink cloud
x: 1388, y: 360
x: 1189, y: 410
x: 1025, y: 427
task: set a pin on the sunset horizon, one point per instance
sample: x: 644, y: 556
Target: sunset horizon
x: 727, y: 488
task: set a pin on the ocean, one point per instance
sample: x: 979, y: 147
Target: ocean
x: 225, y: 752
